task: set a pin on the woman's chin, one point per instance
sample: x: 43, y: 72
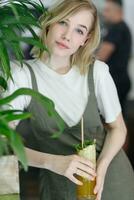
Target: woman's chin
x: 60, y: 54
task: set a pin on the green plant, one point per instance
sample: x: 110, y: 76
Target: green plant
x: 16, y: 17
x: 79, y: 147
x: 10, y: 136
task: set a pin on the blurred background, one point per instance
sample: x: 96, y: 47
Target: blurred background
x: 127, y: 7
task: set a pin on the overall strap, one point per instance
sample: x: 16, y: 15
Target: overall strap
x: 91, y: 80
x: 33, y: 78
x: 93, y: 100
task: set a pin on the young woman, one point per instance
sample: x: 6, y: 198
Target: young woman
x: 79, y: 86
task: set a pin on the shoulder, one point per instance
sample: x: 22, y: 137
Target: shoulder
x: 106, y: 93
x: 21, y: 74
x: 100, y: 70
x: 115, y: 27
x: 120, y: 27
x: 102, y: 77
x: 17, y: 68
x: 100, y: 65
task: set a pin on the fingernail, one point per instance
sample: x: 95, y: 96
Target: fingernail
x: 81, y: 183
x: 95, y: 191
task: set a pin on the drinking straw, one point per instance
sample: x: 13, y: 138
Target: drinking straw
x: 82, y: 132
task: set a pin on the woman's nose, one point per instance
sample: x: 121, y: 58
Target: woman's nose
x: 67, y: 34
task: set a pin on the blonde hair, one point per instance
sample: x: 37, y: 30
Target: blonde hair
x: 84, y: 56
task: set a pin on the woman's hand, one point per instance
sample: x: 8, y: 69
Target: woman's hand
x: 69, y: 166
x: 100, y: 178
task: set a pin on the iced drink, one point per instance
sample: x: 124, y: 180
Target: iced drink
x: 86, y: 191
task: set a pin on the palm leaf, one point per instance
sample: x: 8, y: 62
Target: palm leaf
x: 32, y: 41
x: 3, y: 83
x: 4, y: 59
x: 11, y: 117
x: 46, y: 102
x: 33, y: 33
x: 16, y: 15
x: 3, y: 146
x: 15, y: 141
x: 5, y: 112
x: 23, y: 20
x: 9, y: 35
x: 17, y: 52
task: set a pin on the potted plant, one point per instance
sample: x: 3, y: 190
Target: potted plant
x: 16, y: 17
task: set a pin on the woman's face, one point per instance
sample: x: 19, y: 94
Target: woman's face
x: 66, y: 36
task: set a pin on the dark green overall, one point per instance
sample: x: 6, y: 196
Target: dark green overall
x: 119, y: 181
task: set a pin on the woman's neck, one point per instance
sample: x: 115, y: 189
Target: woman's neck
x: 58, y: 64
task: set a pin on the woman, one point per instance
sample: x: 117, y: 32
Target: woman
x: 79, y: 86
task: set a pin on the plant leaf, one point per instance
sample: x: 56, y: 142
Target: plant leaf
x: 3, y: 146
x: 3, y: 83
x: 24, y: 20
x: 46, y: 102
x: 19, y: 55
x: 79, y: 147
x: 15, y: 142
x: 4, y: 112
x: 12, y: 117
x: 32, y: 41
x: 4, y: 58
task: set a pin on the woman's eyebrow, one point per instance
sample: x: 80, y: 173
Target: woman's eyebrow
x: 83, y: 26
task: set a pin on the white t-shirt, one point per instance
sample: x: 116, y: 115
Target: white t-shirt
x: 68, y: 91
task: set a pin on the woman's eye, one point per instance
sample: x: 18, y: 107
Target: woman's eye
x: 63, y: 23
x: 80, y: 31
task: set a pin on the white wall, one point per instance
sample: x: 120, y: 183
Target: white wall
x: 48, y: 3
x: 129, y: 17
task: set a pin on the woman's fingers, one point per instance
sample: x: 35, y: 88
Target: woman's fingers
x: 89, y: 171
x: 75, y: 180
x: 81, y: 167
x: 98, y: 184
x: 86, y: 162
x: 99, y: 187
x: 99, y: 194
x: 84, y: 174
x: 84, y: 167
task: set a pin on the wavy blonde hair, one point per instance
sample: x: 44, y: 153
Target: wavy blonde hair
x: 84, y: 56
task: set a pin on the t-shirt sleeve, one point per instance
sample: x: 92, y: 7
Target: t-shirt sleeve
x: 113, y: 35
x: 21, y: 78
x: 106, y: 93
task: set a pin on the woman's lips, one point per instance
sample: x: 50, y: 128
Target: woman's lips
x: 62, y: 45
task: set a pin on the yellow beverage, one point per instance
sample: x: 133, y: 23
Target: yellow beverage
x: 86, y: 191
